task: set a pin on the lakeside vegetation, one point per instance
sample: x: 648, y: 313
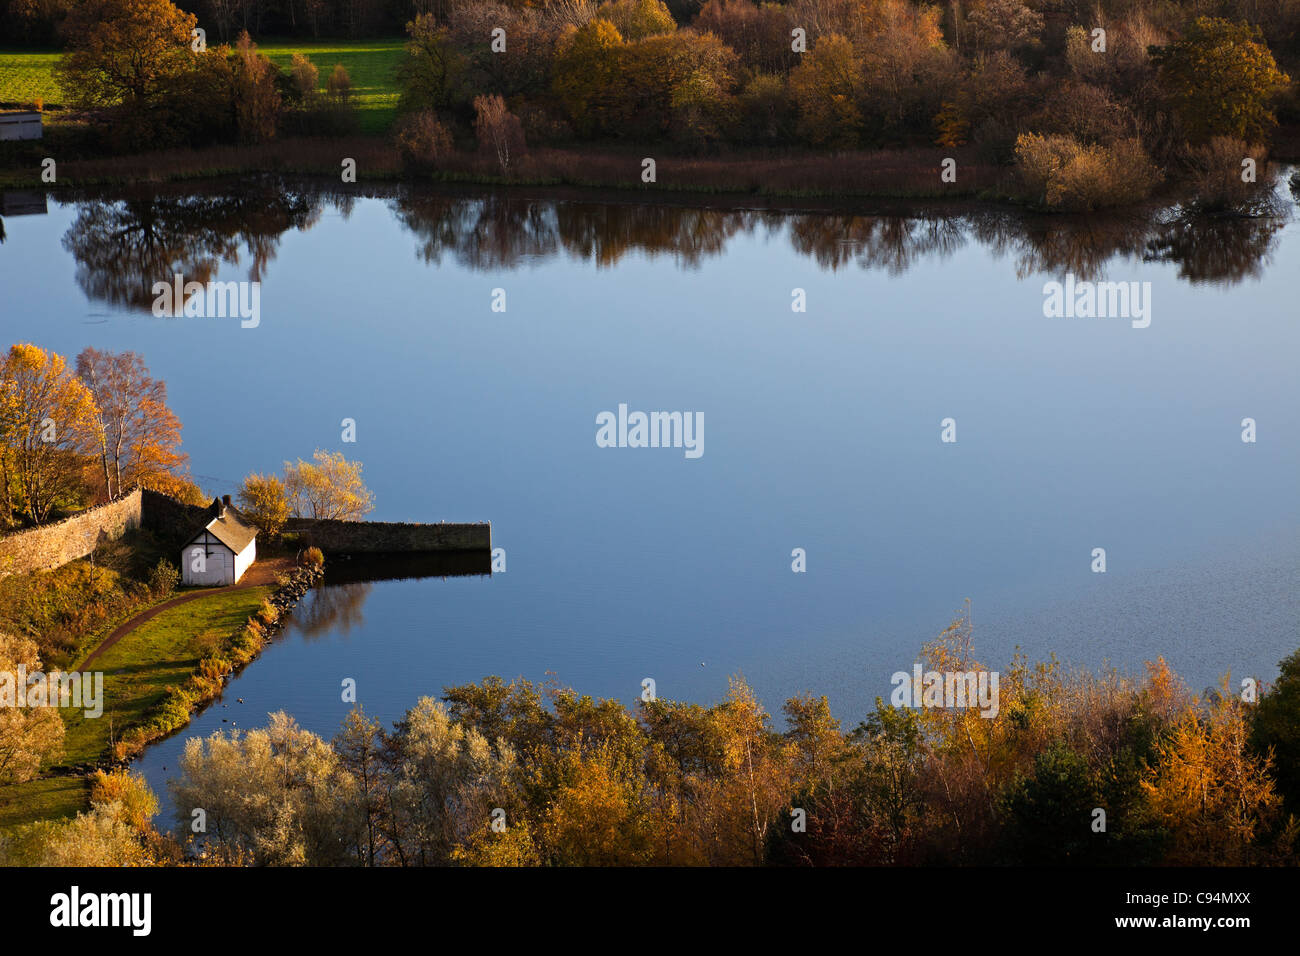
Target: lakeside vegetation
x: 1029, y: 101
x: 1074, y: 768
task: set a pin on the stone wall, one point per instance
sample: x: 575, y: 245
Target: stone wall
x: 54, y: 545
x: 390, y: 537
x: 172, y: 522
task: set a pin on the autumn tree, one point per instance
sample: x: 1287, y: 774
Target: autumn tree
x: 906, y: 68
x: 256, y: 95
x: 359, y: 745
x: 585, y: 74
x: 637, y: 19
x: 305, y: 76
x: 263, y: 501
x: 827, y: 86
x: 272, y: 796
x: 124, y: 51
x: 47, y: 428
x: 431, y: 72
x: 599, y: 814
x: 677, y: 84
x: 329, y: 486
x: 29, y: 736
x: 1003, y: 24
x: 760, y: 34
x: 444, y: 780
x: 137, y: 435
x: 1210, y: 791
x: 1221, y: 78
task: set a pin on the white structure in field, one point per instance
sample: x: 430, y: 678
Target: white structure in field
x: 20, y: 124
x: 221, y: 551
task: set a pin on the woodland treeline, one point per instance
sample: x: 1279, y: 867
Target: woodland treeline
x: 1076, y: 768
x: 1092, y: 104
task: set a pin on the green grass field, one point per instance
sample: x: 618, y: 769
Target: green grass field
x: 26, y: 77
x: 137, y: 671
x: 372, y: 64
x: 162, y: 651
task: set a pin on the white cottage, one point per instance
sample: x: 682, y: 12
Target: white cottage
x: 221, y: 551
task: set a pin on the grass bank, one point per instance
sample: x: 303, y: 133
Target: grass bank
x: 162, y: 652
x: 141, y: 672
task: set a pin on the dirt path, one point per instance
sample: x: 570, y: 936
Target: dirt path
x: 261, y: 574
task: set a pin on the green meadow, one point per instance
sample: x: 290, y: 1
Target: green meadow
x: 26, y: 77
x: 372, y: 64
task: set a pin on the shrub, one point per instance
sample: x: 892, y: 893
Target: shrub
x: 499, y: 131
x: 1216, y: 174
x: 1060, y: 173
x: 163, y: 578
x: 136, y: 803
x: 306, y: 78
x: 313, y: 558
x: 422, y: 140
x: 267, y: 614
x: 339, y: 84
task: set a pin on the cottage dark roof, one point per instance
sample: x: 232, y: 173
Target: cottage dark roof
x: 230, y: 530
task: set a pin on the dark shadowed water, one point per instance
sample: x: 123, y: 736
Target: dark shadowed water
x: 821, y: 430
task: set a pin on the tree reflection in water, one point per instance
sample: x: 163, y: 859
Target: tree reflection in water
x: 123, y: 243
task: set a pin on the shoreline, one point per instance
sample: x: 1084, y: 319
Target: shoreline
x: 912, y: 173
x: 792, y: 182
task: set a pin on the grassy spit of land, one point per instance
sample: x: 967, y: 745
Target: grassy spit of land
x: 155, y: 674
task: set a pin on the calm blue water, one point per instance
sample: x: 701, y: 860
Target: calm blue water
x: 822, y: 431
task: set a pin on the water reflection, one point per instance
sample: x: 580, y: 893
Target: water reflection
x: 334, y: 608
x: 122, y: 246
x: 124, y: 243
x: 337, y: 605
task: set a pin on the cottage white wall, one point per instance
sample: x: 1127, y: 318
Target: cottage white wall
x: 244, y: 559
x: 20, y: 126
x: 218, y: 566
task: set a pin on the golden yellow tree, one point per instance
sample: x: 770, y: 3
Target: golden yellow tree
x: 1209, y: 791
x: 330, y: 486
x: 28, y: 735
x: 47, y: 429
